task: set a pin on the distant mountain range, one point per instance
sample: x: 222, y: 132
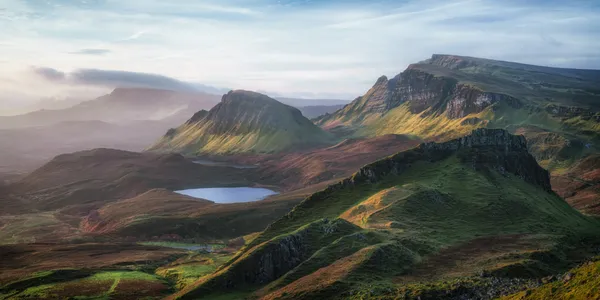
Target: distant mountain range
x: 123, y: 105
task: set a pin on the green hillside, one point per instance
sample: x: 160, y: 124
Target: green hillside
x: 581, y: 283
x: 447, y: 96
x: 243, y: 122
x: 405, y: 224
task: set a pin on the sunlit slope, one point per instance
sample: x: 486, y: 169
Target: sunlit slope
x: 244, y: 122
x: 447, y: 96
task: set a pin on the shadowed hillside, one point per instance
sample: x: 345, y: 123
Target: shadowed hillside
x: 84, y: 180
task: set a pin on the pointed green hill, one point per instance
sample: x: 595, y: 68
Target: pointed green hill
x: 475, y: 204
x: 244, y: 122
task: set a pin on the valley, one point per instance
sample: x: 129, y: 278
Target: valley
x: 459, y: 178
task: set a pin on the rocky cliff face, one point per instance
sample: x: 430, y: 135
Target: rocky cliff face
x: 422, y: 90
x: 572, y: 112
x: 492, y: 149
x: 452, y: 62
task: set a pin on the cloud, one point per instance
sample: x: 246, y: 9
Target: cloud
x: 133, y: 37
x: 50, y: 74
x: 293, y: 47
x: 112, y: 79
x: 91, y: 51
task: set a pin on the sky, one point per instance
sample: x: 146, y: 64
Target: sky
x: 295, y: 48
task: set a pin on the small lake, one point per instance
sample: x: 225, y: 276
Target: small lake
x: 190, y: 247
x: 229, y: 195
x: 211, y: 163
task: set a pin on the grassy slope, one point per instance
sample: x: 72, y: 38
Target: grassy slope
x: 580, y: 283
x: 572, y: 134
x: 401, y: 121
x: 190, y: 268
x: 95, y: 271
x: 102, y: 285
x: 195, y: 137
x: 431, y: 209
x: 472, y: 206
x: 102, y: 271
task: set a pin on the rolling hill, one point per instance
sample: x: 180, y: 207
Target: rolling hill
x: 85, y: 180
x: 160, y: 212
x: 404, y: 225
x: 243, y: 122
x: 316, y: 166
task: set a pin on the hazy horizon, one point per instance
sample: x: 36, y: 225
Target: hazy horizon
x: 293, y: 48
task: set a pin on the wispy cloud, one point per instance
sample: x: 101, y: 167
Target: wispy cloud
x: 91, y: 51
x: 111, y: 79
x: 293, y: 47
x: 134, y: 36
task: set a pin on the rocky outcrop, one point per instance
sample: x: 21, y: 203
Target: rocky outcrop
x: 572, y: 112
x: 494, y: 149
x: 498, y: 139
x: 452, y: 62
x: 422, y: 91
x: 467, y: 99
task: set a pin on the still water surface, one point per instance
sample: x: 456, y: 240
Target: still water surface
x: 229, y: 195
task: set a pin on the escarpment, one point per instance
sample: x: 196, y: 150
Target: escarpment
x: 494, y: 148
x: 422, y: 90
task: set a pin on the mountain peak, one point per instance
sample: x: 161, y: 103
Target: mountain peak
x: 238, y: 96
x: 244, y: 121
x: 382, y: 79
